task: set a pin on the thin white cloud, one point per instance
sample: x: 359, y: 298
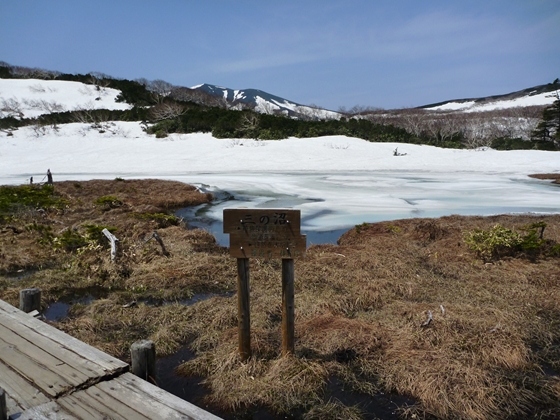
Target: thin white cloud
x: 444, y: 34
x: 434, y: 34
x: 266, y: 61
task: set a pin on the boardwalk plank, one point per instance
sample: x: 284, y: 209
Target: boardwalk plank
x: 81, y: 365
x: 105, y: 361
x: 47, y: 411
x: 152, y: 393
x: 149, y: 406
x: 99, y: 397
x: 49, y: 375
x: 65, y: 362
x: 22, y: 394
x: 41, y: 355
x: 78, y: 405
x: 45, y: 379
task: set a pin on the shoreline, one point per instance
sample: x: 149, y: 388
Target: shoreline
x: 554, y: 177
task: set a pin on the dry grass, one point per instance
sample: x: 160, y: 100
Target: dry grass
x: 554, y: 177
x: 491, y: 350
x: 360, y: 307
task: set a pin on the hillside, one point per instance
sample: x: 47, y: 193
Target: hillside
x: 43, y: 100
x: 540, y: 95
x: 265, y: 103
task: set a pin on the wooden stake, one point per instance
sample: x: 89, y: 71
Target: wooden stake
x: 288, y: 311
x: 113, y: 239
x: 143, y: 355
x: 243, y: 308
x: 159, y: 241
x: 30, y: 300
x: 3, y: 405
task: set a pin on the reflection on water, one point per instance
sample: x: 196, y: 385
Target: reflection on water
x: 57, y: 311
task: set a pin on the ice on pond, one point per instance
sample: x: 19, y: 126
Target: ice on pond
x: 335, y: 202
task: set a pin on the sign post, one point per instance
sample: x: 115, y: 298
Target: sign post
x: 265, y: 233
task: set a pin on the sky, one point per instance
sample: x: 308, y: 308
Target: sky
x: 330, y: 53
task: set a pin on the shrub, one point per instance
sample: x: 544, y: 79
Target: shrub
x: 108, y: 202
x: 29, y: 196
x: 493, y: 244
x: 361, y: 227
x: 507, y: 143
x: 499, y: 242
x: 95, y: 233
x: 271, y: 134
x: 165, y: 127
x: 70, y: 240
x: 162, y: 220
x: 46, y: 235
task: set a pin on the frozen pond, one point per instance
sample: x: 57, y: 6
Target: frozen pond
x: 333, y: 202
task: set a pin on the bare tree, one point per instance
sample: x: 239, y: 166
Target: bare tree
x: 44, y: 105
x: 160, y: 89
x: 250, y: 123
x: 167, y: 110
x: 32, y: 73
x: 196, y: 96
x: 11, y: 108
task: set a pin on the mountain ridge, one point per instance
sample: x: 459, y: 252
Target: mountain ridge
x: 267, y: 103
x: 534, y: 91
x: 263, y: 102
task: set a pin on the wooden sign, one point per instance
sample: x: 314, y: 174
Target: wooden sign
x: 265, y: 233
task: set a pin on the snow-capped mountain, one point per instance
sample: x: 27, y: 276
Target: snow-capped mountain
x: 30, y: 98
x: 537, y: 95
x: 264, y: 102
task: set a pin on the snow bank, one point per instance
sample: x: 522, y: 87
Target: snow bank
x: 34, y: 97
x: 125, y: 148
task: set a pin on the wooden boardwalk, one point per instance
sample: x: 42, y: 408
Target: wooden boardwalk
x: 47, y: 374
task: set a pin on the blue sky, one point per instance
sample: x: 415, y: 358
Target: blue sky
x: 387, y: 54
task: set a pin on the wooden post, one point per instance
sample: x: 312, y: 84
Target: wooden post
x: 243, y: 308
x: 143, y: 356
x: 30, y: 300
x: 160, y: 242
x: 3, y: 405
x: 113, y: 239
x: 288, y: 313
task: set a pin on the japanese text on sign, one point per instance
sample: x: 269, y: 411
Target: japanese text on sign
x: 264, y: 233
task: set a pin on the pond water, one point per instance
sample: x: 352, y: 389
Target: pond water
x: 57, y: 311
x: 332, y: 203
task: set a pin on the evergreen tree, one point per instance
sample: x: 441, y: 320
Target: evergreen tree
x: 549, y: 127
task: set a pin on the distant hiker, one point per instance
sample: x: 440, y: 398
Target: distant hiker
x: 49, y: 177
x: 396, y: 152
x: 31, y: 181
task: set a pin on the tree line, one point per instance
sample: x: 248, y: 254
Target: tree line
x: 167, y: 109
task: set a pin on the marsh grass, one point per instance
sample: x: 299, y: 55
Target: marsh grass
x: 360, y: 307
x: 491, y: 350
